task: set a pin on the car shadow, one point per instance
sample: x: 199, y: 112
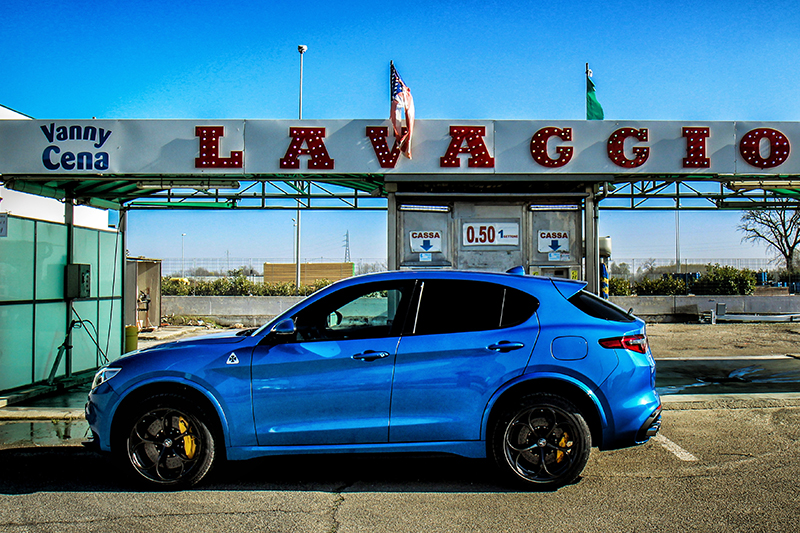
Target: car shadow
x: 76, y: 469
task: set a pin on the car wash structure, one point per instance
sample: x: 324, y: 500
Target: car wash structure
x: 486, y: 195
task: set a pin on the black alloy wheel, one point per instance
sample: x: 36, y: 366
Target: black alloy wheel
x: 168, y: 444
x: 541, y: 442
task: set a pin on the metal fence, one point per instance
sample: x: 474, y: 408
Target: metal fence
x: 629, y: 268
x: 251, y: 267
x: 636, y: 269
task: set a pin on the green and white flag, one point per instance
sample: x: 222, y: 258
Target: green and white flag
x: 594, y: 111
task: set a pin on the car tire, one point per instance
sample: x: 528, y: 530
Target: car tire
x: 541, y: 442
x: 166, y: 441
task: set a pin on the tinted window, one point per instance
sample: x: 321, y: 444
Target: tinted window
x: 518, y: 307
x: 450, y: 306
x: 362, y: 312
x: 595, y: 306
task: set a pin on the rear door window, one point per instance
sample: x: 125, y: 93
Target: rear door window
x: 453, y: 306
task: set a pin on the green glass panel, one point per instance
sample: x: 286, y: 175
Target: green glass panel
x: 51, y: 329
x: 16, y: 324
x: 16, y: 261
x: 51, y: 256
x: 85, y: 252
x: 111, y: 338
x: 111, y: 267
x: 84, y: 350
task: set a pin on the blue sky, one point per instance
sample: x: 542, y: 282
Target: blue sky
x: 652, y: 60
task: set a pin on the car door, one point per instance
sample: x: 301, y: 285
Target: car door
x: 465, y: 340
x: 330, y: 381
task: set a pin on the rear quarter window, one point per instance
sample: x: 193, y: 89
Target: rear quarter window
x: 595, y: 306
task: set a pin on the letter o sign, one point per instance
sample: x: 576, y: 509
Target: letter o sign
x: 750, y: 147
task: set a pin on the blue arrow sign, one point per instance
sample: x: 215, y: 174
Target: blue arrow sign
x: 554, y: 245
x: 426, y: 245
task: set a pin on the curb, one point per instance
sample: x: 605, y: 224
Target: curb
x: 38, y: 414
x: 685, y: 402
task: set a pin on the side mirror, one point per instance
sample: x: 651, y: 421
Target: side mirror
x: 284, y: 327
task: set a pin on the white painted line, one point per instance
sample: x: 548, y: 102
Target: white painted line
x: 676, y: 450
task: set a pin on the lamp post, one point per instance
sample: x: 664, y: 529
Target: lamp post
x: 302, y: 49
x: 183, y: 269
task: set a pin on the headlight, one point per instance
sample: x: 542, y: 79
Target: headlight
x: 103, y: 375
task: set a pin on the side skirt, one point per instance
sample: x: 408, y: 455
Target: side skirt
x: 472, y: 449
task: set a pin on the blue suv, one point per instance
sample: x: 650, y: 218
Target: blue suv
x: 529, y: 372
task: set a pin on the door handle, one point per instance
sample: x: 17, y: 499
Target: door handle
x: 370, y: 355
x: 506, y: 346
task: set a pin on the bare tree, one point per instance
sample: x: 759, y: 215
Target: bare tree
x: 779, y: 228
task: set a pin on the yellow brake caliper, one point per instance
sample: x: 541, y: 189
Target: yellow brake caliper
x: 189, y: 444
x: 562, y: 443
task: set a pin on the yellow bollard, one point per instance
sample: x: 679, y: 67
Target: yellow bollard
x: 131, y: 338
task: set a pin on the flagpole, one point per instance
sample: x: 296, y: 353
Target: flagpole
x: 586, y: 104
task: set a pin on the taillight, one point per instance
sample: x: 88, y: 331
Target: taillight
x: 634, y: 343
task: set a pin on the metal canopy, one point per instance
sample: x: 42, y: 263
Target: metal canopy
x: 204, y: 192
x: 368, y: 191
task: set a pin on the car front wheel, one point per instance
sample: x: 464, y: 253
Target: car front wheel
x: 167, y: 442
x: 541, y: 441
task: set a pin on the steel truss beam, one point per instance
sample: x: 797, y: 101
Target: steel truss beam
x: 311, y: 192
x: 367, y: 192
x: 673, y: 193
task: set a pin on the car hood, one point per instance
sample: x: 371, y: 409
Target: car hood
x: 231, y: 337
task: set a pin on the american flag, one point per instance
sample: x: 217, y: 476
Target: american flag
x: 402, y: 99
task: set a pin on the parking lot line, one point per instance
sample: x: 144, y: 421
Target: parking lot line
x: 676, y: 450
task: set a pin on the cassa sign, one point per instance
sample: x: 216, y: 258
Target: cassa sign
x: 553, y: 241
x: 425, y: 241
x: 490, y: 234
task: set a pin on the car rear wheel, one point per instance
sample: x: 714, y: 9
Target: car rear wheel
x: 167, y: 442
x: 541, y: 441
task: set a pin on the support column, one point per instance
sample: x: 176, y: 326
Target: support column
x: 122, y: 228
x: 592, y: 243
x: 69, y: 220
x: 391, y: 225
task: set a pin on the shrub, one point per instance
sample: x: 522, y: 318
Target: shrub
x: 236, y: 286
x: 619, y: 287
x: 725, y: 280
x: 174, y: 287
x: 660, y: 287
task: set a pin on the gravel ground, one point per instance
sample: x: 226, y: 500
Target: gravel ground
x: 723, y: 340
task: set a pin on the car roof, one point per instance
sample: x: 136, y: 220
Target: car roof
x: 567, y: 287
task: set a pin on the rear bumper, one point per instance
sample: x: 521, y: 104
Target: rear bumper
x: 650, y: 427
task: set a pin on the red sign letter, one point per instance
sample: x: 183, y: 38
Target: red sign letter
x: 696, y: 148
x: 750, y: 148
x: 209, y: 149
x: 539, y: 147
x: 377, y: 136
x: 616, y: 148
x: 473, y: 135
x: 312, y: 138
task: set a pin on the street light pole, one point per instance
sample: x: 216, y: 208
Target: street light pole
x: 183, y: 268
x: 302, y: 49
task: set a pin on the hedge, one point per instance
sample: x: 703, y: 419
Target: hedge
x: 235, y: 286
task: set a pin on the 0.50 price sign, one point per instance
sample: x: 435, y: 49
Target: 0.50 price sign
x: 490, y: 234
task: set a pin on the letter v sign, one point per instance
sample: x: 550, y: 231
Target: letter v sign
x: 377, y: 136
